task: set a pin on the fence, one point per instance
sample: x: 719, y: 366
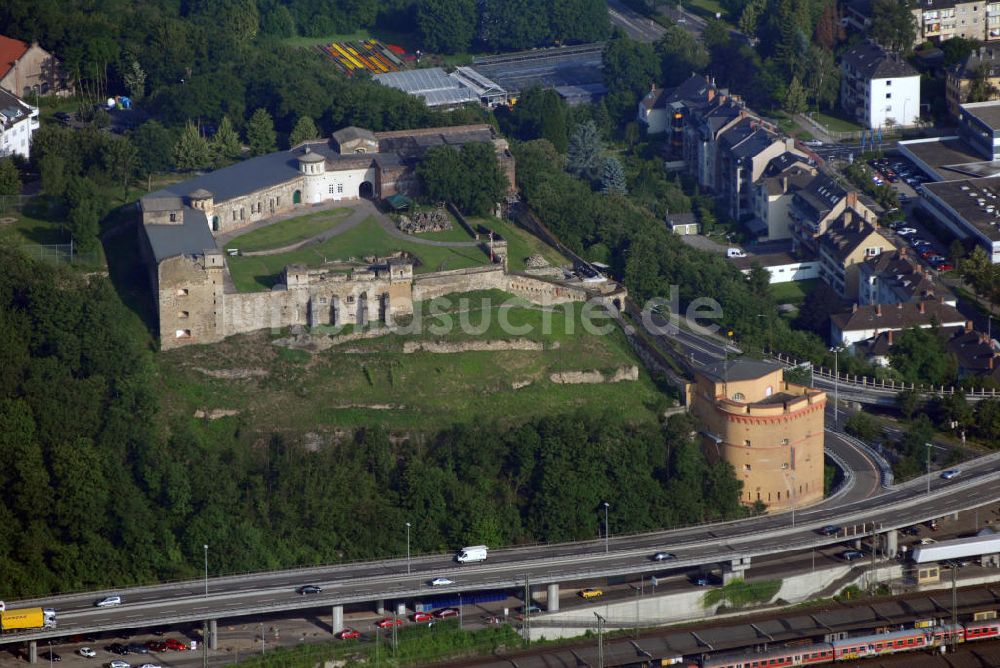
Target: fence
x: 60, y: 253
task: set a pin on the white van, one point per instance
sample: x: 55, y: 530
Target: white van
x: 471, y: 554
x: 735, y: 252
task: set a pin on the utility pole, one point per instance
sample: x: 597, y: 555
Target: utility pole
x: 954, y: 604
x: 407, y: 548
x: 929, y: 446
x: 600, y: 640
x: 607, y: 529
x: 527, y: 610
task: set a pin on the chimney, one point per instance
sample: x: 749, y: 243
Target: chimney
x: 878, y: 310
x: 652, y: 87
x: 920, y: 306
x: 889, y: 334
x: 852, y: 198
x: 968, y: 325
x: 784, y: 184
x: 899, y: 305
x: 991, y: 362
x: 854, y: 309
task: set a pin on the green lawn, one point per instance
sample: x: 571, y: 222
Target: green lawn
x: 834, y: 123
x: 456, y: 233
x: 287, y: 232
x: 41, y: 221
x: 793, y: 292
x: 262, y: 272
x: 520, y: 243
x: 706, y: 8
x: 292, y: 390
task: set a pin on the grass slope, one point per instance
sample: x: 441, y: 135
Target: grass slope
x: 372, y: 381
x: 289, y: 231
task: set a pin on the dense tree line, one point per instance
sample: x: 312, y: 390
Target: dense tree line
x: 469, y: 177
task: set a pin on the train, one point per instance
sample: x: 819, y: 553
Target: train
x: 850, y: 649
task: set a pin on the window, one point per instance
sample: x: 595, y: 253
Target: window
x: 746, y: 467
x: 183, y: 314
x: 322, y: 300
x: 746, y: 443
x: 888, y: 96
x: 888, y: 82
x: 784, y: 441
x: 277, y: 200
x: 739, y: 397
x: 243, y: 213
x: 234, y: 214
x: 350, y: 299
x: 181, y: 292
x: 340, y: 188
x: 182, y: 334
x: 173, y: 217
x: 331, y: 189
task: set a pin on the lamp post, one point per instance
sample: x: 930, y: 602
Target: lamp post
x: 206, y: 569
x: 836, y: 383
x: 607, y: 532
x: 50, y: 654
x: 407, y: 548
x: 929, y: 446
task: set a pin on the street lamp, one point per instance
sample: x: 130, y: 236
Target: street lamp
x: 607, y: 532
x: 50, y: 654
x: 407, y: 548
x: 206, y: 570
x: 836, y: 350
x: 929, y: 446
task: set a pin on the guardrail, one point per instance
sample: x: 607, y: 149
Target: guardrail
x: 886, y: 476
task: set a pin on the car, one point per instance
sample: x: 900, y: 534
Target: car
x: 918, y: 243
x: 944, y: 266
x: 928, y: 254
x: 951, y: 473
x: 150, y: 665
x: 530, y: 609
x: 700, y: 580
x: 813, y: 142
x: 591, y: 592
x: 421, y: 617
x: 137, y: 648
x: 348, y: 634
x: 108, y: 602
x: 388, y: 623
x: 906, y: 231
x: 664, y: 556
x: 62, y: 117
x: 441, y: 582
x: 51, y: 656
x: 936, y: 259
x: 156, y: 646
x: 86, y: 652
x: 494, y: 619
x: 117, y: 648
x: 310, y: 589
x: 175, y: 645
x: 927, y: 541
x: 851, y: 555
x: 830, y: 530
x: 445, y: 613
x: 118, y: 663
x: 911, y: 531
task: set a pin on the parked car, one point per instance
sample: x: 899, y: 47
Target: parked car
x: 108, y: 601
x: 156, y: 646
x: 830, y: 530
x: 388, y: 623
x: 664, y: 556
x: 700, y: 580
x: 117, y: 648
x: 444, y: 613
x: 935, y: 258
x: 944, y: 266
x: 951, y: 473
x: 918, y: 243
x: 310, y: 589
x: 348, y: 634
x: 906, y: 231
x: 530, y: 609
x: 175, y: 645
x: 51, y: 656
x: 591, y: 592
x: 86, y: 652
x: 440, y: 582
x: 137, y: 648
x: 421, y: 617
x: 851, y: 555
x: 911, y: 531
x: 149, y: 665
x: 62, y: 117
x: 118, y: 663
x: 813, y: 142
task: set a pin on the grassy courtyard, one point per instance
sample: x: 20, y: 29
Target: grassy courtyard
x: 290, y: 231
x: 520, y: 243
x: 368, y: 238
x: 351, y: 384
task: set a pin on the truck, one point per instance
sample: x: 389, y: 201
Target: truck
x: 27, y: 618
x: 471, y: 554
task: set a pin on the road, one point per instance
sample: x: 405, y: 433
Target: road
x: 635, y: 25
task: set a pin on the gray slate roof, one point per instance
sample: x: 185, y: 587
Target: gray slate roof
x: 737, y: 370
x: 191, y: 238
x: 873, y: 62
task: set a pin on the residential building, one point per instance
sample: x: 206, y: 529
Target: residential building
x: 18, y: 121
x: 984, y: 60
x: 783, y: 265
x: 848, y: 242
x: 815, y: 206
x: 973, y: 352
x: 657, y: 109
x: 28, y: 69
x: 702, y: 130
x: 745, y: 150
x: 865, y: 322
x: 769, y: 430
x: 979, y: 127
x: 773, y: 194
x: 892, y: 277
x: 937, y: 20
x: 878, y: 88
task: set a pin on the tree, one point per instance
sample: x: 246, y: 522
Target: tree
x: 509, y: 25
x: 52, y: 169
x: 85, y: 211
x: 120, y: 160
x: 795, y: 97
x: 680, y: 55
x: 958, y: 49
x: 541, y: 114
x: 446, y: 26
x: 981, y: 88
x: 629, y: 69
x: 470, y: 177
x: 908, y: 402
x: 822, y: 77
x: 920, y: 356
x: 864, y: 426
x: 576, y: 21
x: 278, y: 22
x: 716, y: 34
x: 583, y: 156
x: 304, y: 130
x: 134, y: 79
x: 750, y: 17
x: 893, y: 25
x: 192, y: 152
x: 10, y: 183
x: 613, y: 177
x: 260, y: 133
x: 154, y: 145
x: 225, y: 145
x: 829, y: 29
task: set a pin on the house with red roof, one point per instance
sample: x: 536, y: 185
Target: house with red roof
x: 28, y: 69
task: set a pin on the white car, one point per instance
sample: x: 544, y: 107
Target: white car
x: 87, y: 652
x: 441, y: 582
x: 118, y: 663
x: 951, y: 473
x: 150, y: 665
x: 813, y: 142
x: 905, y: 231
x: 109, y: 601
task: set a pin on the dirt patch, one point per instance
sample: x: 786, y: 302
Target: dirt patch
x: 467, y: 346
x: 215, y: 413
x: 233, y: 374
x: 625, y: 373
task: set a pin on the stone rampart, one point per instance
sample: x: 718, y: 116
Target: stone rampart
x: 441, y: 283
x: 249, y: 311
x: 623, y: 373
x: 539, y: 291
x: 467, y: 346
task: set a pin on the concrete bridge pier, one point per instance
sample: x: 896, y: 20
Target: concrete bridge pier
x: 736, y: 568
x: 33, y: 651
x: 380, y: 607
x: 552, y: 598
x: 337, y: 623
x: 213, y: 635
x: 891, y: 543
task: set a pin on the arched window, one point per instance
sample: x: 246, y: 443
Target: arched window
x: 739, y: 397
x: 768, y: 391
x: 297, y: 197
x: 215, y: 223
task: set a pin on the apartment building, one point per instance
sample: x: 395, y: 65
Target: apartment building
x: 849, y: 241
x: 878, y: 88
x: 18, y: 121
x: 985, y: 60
